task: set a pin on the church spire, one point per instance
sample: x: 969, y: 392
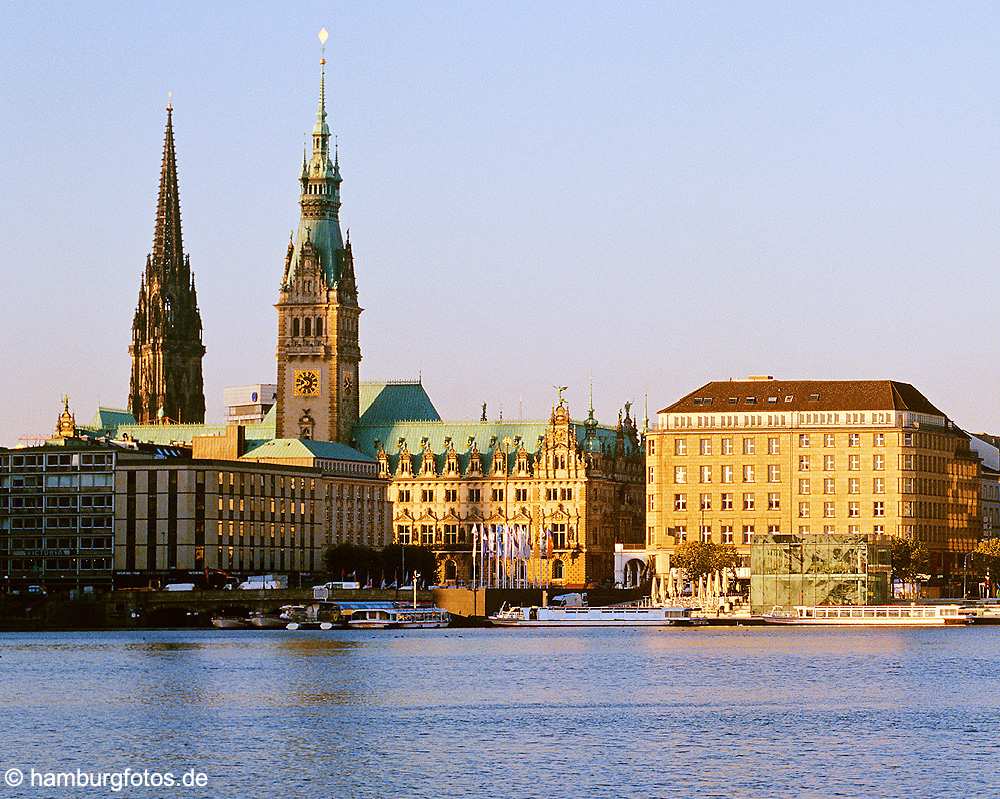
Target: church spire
x: 166, y: 344
x: 168, y: 248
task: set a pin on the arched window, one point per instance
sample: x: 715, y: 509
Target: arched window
x: 309, y: 326
x: 295, y: 328
x: 557, y: 570
x: 450, y: 570
x: 319, y: 325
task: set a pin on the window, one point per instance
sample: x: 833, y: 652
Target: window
x: 829, y: 486
x: 908, y: 485
x: 427, y: 495
x: 804, y: 486
x: 828, y: 463
x: 727, y: 474
x: 475, y: 495
x: 774, y: 501
x: 651, y: 446
x: 680, y: 534
x: 853, y: 486
x: 878, y: 462
x: 853, y: 509
x: 909, y: 508
x: 748, y: 473
x: 803, y: 463
x: 854, y: 440
x: 853, y: 462
x: 748, y: 502
x: 705, y: 474
x: 650, y: 475
x: 402, y: 534
x: 496, y: 495
x: 557, y: 570
x: 829, y: 528
x: 878, y: 439
x: 829, y: 510
x: 705, y: 446
x: 427, y: 534
x: 907, y: 439
x: 680, y: 474
x: 909, y: 461
x: 773, y: 447
x: 878, y: 485
x: 803, y: 510
x: 878, y: 529
x: 680, y: 446
x: 727, y: 534
x: 747, y: 534
x: 803, y: 439
x: 520, y: 494
x: 774, y: 473
x: 705, y: 533
x: 680, y: 501
x: 652, y: 502
x: 749, y: 446
x: 727, y: 446
x: 705, y: 502
x: 726, y: 502
x: 829, y: 440
x: 403, y: 495
x: 878, y: 509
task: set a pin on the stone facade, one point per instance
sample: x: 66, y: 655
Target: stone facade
x: 166, y: 349
x: 586, y: 489
x: 733, y: 459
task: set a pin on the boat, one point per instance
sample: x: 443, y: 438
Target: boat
x: 398, y: 618
x: 316, y: 616
x: 610, y: 616
x: 869, y: 615
x: 270, y: 621
x: 229, y: 623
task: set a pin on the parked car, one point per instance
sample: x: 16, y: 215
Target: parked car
x: 179, y: 587
x: 36, y: 590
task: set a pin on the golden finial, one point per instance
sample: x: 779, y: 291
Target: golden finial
x: 324, y: 34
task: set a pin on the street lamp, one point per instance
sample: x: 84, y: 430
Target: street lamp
x: 965, y: 574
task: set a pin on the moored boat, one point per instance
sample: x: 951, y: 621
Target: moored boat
x: 612, y: 616
x: 869, y: 615
x: 398, y: 618
x: 229, y: 623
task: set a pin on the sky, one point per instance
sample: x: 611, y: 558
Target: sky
x: 646, y: 195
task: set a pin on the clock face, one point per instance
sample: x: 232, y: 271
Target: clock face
x: 306, y: 383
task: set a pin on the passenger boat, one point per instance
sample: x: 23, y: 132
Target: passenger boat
x: 869, y: 615
x: 317, y: 616
x: 611, y: 616
x: 270, y: 621
x: 398, y: 618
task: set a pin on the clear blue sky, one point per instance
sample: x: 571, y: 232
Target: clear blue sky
x: 656, y: 194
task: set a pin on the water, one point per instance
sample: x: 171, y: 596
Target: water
x: 745, y: 712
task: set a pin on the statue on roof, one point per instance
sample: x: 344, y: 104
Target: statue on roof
x: 559, y: 393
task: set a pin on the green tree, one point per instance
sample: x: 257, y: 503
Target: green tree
x: 988, y: 554
x: 347, y: 561
x: 908, y: 559
x: 399, y: 562
x: 700, y: 558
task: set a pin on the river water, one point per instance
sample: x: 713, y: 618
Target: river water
x: 729, y: 712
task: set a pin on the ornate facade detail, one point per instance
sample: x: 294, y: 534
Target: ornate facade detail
x: 318, y: 351
x: 166, y: 349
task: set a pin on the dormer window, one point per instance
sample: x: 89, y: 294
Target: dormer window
x: 751, y: 400
x: 734, y: 400
x: 814, y: 397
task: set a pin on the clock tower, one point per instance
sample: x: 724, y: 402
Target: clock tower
x: 318, y: 351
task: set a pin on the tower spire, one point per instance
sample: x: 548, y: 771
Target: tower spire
x: 168, y: 248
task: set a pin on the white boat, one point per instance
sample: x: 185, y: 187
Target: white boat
x: 398, y: 618
x: 612, y: 616
x: 869, y: 615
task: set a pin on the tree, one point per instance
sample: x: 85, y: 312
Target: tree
x: 700, y: 558
x: 346, y: 561
x: 400, y: 561
x: 908, y: 559
x: 988, y: 552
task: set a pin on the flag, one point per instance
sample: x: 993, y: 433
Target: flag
x: 526, y: 543
x: 516, y: 542
x: 500, y: 543
x: 548, y: 540
x: 541, y: 543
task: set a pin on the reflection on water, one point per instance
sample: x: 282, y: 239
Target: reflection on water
x: 712, y: 712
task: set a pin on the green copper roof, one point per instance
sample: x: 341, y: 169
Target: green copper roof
x: 383, y: 403
x: 109, y: 419
x: 487, y: 435
x: 305, y: 448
